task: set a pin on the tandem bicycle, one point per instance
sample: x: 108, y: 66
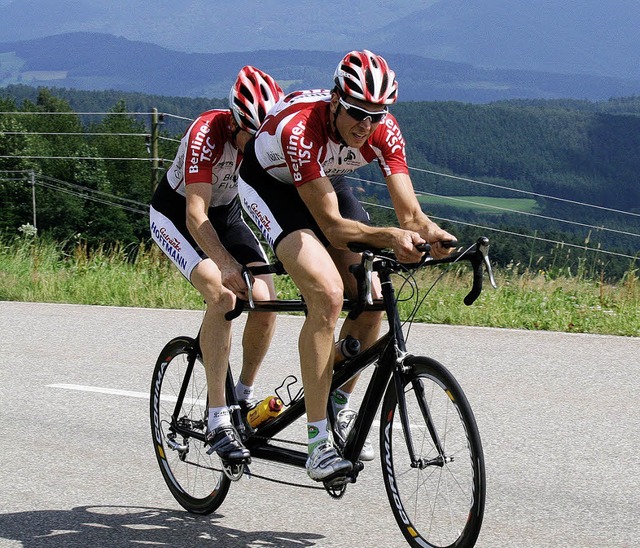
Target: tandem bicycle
x: 430, y: 450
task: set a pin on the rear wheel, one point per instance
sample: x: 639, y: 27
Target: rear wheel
x: 195, y: 478
x: 438, y: 498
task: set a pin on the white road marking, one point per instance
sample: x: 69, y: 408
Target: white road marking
x: 112, y: 391
x: 118, y: 392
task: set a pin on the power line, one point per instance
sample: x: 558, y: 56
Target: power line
x: 90, y: 198
x: 502, y: 231
x: 178, y: 117
x: 71, y: 113
x: 105, y: 197
x: 484, y: 183
x: 79, y: 133
x: 525, y: 213
x: 84, y: 192
x: 74, y: 158
x: 169, y: 139
x: 142, y: 209
x: 84, y: 188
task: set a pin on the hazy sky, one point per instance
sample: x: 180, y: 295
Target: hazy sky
x: 575, y: 36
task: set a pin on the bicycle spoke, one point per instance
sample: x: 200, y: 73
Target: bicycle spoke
x: 438, y: 501
x: 195, y: 478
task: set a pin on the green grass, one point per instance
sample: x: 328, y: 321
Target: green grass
x: 40, y: 271
x: 484, y: 204
x: 538, y: 301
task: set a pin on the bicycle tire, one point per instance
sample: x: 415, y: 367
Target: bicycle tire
x: 442, y: 503
x: 195, y: 478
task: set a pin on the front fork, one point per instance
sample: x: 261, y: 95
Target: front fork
x: 402, y: 375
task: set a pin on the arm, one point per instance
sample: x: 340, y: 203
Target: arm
x: 410, y: 214
x: 320, y: 198
x: 200, y: 227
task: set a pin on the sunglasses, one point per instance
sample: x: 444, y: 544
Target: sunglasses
x: 360, y: 114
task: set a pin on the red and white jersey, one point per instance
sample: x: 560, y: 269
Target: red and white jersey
x: 295, y: 144
x: 207, y: 155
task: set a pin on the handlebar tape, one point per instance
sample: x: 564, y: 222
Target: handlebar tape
x: 237, y: 310
x: 476, y: 287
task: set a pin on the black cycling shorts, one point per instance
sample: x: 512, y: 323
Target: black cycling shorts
x: 276, y: 207
x: 168, y: 222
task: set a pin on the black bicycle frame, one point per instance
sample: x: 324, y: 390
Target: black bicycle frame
x: 390, y: 353
x: 261, y: 445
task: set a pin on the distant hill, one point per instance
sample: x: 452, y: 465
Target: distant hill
x: 585, y: 37
x: 579, y: 37
x: 90, y: 61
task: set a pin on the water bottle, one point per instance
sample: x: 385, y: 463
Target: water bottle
x: 346, y: 348
x: 268, y: 408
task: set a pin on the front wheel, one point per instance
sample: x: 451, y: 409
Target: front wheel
x: 195, y: 478
x: 438, y: 496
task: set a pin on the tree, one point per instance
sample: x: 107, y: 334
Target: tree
x: 15, y: 170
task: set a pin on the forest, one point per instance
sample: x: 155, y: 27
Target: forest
x: 91, y: 174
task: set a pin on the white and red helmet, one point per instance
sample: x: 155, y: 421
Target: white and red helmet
x: 366, y: 76
x: 252, y: 96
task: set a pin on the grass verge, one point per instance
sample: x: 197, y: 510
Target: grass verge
x: 40, y: 271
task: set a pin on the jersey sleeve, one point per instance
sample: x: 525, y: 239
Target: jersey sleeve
x: 204, y: 146
x: 389, y: 145
x: 301, y: 144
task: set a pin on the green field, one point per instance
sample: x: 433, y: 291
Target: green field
x: 483, y: 204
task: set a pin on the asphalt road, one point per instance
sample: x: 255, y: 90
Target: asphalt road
x: 558, y: 415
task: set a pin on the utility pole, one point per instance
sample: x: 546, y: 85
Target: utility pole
x: 33, y: 196
x: 156, y: 120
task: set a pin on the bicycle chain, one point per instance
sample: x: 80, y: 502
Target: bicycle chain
x: 258, y: 476
x: 250, y: 474
x: 332, y: 492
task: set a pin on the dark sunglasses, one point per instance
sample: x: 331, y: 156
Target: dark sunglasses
x: 360, y: 114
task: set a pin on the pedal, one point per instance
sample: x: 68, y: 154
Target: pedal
x: 337, y: 486
x: 235, y: 470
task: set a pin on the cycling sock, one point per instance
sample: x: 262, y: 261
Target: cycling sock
x: 340, y: 400
x: 218, y: 416
x: 244, y: 392
x: 317, y: 434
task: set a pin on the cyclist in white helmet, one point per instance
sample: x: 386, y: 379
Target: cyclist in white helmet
x: 197, y: 221
x: 308, y: 138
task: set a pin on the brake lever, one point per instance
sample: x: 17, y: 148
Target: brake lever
x: 479, y: 257
x: 249, y: 281
x: 483, y: 248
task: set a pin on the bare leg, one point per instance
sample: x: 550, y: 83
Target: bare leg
x: 258, y: 331
x: 314, y: 273
x: 215, y: 333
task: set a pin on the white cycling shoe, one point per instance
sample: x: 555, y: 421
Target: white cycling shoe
x: 344, y: 423
x: 325, y: 463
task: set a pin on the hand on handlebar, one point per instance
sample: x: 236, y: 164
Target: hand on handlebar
x: 442, y: 243
x: 442, y: 248
x: 405, y: 246
x: 233, y: 278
